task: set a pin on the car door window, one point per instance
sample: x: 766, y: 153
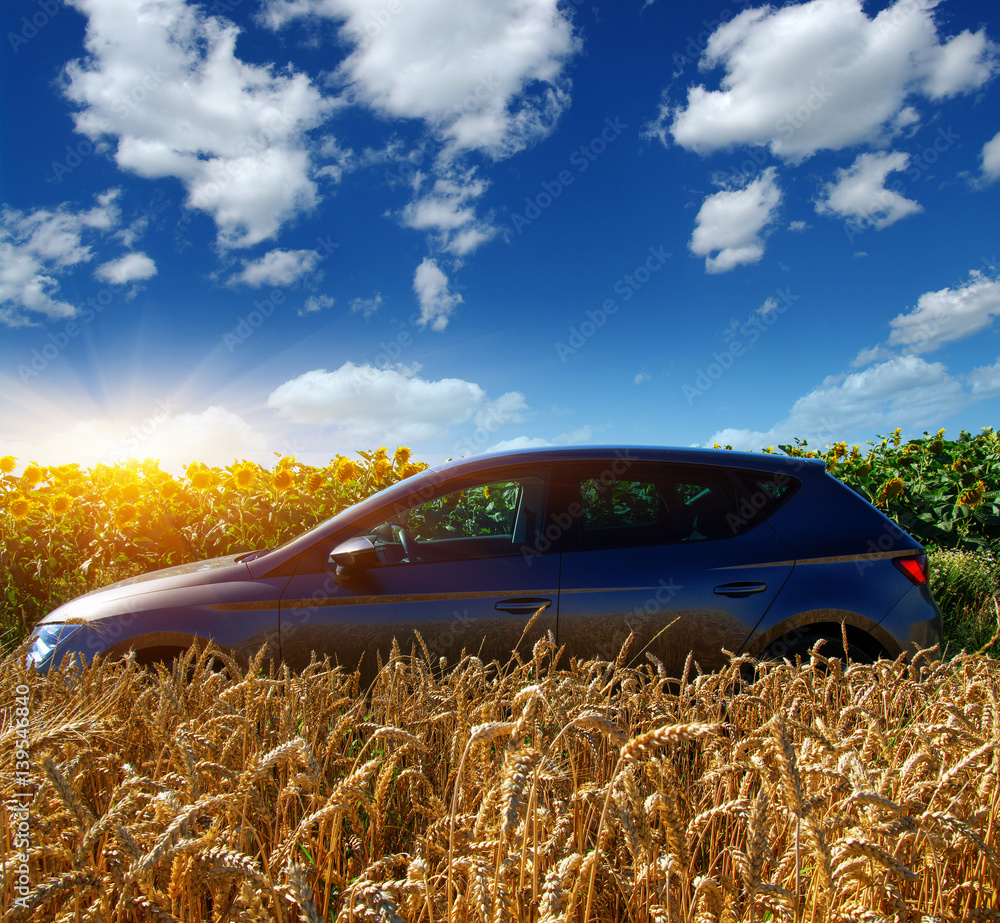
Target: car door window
x: 480, y: 520
x: 656, y: 508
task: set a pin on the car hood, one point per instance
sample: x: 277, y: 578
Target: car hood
x: 96, y: 603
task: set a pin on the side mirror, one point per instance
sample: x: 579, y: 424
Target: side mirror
x: 354, y: 556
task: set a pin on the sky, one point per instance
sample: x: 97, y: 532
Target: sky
x: 307, y: 227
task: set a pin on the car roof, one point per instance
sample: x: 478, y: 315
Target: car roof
x: 728, y: 458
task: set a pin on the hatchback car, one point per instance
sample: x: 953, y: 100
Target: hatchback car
x: 692, y: 550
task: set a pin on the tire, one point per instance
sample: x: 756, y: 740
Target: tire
x: 801, y: 646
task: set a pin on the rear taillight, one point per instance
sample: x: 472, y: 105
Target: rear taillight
x: 915, y: 567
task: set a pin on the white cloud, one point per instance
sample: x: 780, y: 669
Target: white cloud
x: 962, y: 64
x: 905, y: 391
x: 38, y: 247
x: 947, y: 315
x: 984, y: 382
x: 448, y: 211
x: 437, y: 301
x: 370, y: 406
x: 316, y: 303
x: 641, y: 378
x: 508, y: 408
x: 278, y: 267
x: 366, y: 307
x: 164, y: 80
x: 577, y: 437
x: 518, y: 443
x: 859, y: 194
x: 991, y: 158
x: 823, y: 75
x: 133, y: 267
x: 797, y: 226
x: 483, y: 74
x: 731, y: 222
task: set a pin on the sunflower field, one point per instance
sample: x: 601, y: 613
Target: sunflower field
x: 66, y: 530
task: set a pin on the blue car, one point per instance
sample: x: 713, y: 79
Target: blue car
x: 690, y: 550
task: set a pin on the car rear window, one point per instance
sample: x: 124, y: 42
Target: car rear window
x: 762, y: 492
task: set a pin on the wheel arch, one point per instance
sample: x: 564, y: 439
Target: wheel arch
x: 861, y: 631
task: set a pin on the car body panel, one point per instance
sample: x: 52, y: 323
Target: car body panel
x: 675, y: 598
x: 481, y: 606
x: 238, y: 615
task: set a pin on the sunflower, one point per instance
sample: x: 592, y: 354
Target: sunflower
x: 200, y: 476
x: 315, y: 482
x: 125, y: 514
x: 7, y: 464
x: 20, y: 508
x: 244, y: 475
x: 168, y: 489
x: 402, y: 455
x: 131, y: 492
x: 345, y: 470
x: 283, y: 479
x: 973, y: 496
x: 32, y: 475
x: 411, y: 469
x: 61, y: 504
x: 380, y: 467
x: 893, y: 488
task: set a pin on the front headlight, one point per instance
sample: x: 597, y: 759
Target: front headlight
x: 46, y: 638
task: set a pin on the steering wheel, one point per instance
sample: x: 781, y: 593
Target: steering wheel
x: 409, y: 544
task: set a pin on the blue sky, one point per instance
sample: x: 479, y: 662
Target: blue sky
x: 315, y: 226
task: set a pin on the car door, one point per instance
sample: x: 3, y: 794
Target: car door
x: 462, y: 565
x: 659, y: 550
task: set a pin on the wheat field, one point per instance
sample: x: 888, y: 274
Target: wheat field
x: 541, y: 790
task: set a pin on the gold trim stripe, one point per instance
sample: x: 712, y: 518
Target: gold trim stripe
x: 510, y: 595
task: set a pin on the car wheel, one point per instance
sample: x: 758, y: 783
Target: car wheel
x: 789, y: 648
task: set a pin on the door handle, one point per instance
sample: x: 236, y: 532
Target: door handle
x: 523, y: 605
x: 739, y: 590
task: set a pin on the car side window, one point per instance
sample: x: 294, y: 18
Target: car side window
x: 657, y: 506
x: 479, y: 520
